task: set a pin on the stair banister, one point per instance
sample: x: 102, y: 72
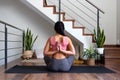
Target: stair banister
x: 98, y: 10
x: 6, y: 25
x: 6, y: 52
x: 59, y: 10
x: 95, y: 6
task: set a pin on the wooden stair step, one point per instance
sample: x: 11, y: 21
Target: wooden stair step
x: 112, y: 53
x: 112, y: 61
x: 78, y: 62
x: 112, y: 56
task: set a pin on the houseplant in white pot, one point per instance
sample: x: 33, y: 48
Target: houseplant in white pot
x: 99, y: 38
x: 29, y: 41
x: 90, y: 54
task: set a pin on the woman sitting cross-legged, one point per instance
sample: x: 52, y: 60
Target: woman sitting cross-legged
x: 59, y: 51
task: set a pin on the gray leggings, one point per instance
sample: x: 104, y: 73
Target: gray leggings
x: 59, y: 64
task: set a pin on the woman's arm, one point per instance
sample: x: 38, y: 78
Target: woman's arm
x: 70, y: 50
x: 47, y: 51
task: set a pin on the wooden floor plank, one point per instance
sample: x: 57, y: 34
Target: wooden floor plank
x: 58, y: 76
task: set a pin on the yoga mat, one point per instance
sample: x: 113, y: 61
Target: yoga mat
x: 43, y: 69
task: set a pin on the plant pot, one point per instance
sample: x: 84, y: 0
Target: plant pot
x: 100, y: 50
x: 28, y: 54
x: 91, y: 62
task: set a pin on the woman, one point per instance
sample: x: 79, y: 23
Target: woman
x: 59, y: 51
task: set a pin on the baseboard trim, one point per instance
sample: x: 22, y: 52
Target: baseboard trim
x: 112, y: 45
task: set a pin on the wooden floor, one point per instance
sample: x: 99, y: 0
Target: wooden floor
x: 58, y: 76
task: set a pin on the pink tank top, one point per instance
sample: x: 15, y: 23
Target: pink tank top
x: 54, y: 43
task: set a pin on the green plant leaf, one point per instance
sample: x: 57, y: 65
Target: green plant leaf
x: 28, y: 39
x: 99, y: 37
x: 89, y: 53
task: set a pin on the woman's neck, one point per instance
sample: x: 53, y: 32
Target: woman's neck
x: 58, y: 34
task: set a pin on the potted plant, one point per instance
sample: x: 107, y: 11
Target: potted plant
x: 90, y: 54
x: 99, y: 38
x: 28, y: 44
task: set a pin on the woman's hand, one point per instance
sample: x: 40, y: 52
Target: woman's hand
x: 58, y: 46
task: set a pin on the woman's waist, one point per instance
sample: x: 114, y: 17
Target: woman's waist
x: 59, y: 55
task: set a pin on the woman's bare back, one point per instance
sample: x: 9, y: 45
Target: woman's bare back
x: 59, y: 41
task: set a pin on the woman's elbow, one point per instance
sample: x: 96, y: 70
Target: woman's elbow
x: 73, y: 52
x: 44, y: 53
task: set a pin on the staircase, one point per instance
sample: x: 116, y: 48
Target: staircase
x: 49, y: 12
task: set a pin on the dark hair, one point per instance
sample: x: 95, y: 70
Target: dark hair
x: 59, y: 28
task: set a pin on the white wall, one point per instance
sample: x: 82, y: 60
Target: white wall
x: 16, y: 13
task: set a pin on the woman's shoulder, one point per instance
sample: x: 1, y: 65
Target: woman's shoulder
x: 52, y: 39
x: 66, y: 39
